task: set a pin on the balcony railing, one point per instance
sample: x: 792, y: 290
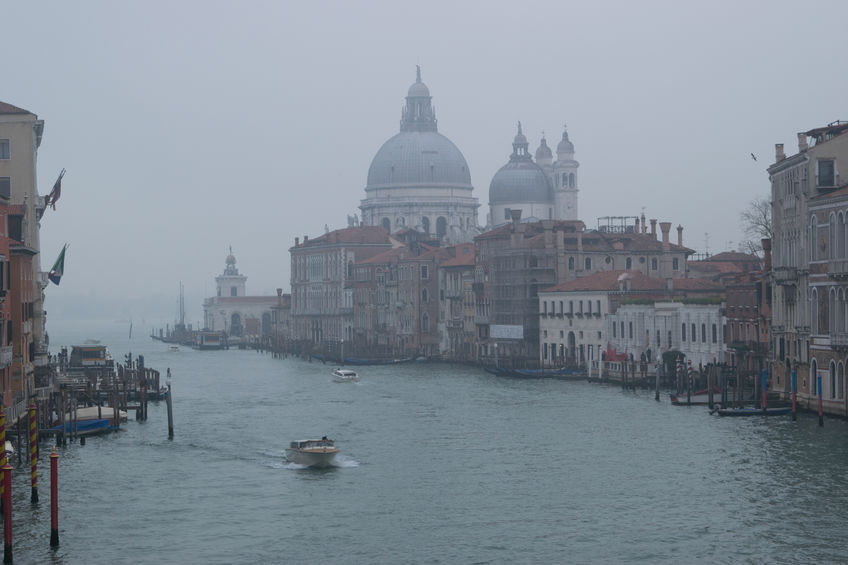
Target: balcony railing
x: 786, y: 275
x: 837, y: 268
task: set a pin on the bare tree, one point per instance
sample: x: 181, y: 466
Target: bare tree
x: 756, y: 223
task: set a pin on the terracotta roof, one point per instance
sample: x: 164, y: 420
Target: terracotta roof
x: 9, y: 109
x: 734, y: 256
x: 463, y: 256
x: 357, y: 234
x: 386, y: 256
x: 606, y: 281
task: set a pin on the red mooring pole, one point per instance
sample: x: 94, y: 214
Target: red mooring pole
x: 33, y: 452
x: 54, y: 498
x: 7, y: 513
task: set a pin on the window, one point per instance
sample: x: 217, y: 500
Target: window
x: 424, y: 273
x: 233, y: 291
x: 675, y: 263
x: 825, y: 172
x: 694, y: 337
x: 669, y: 339
x: 715, y: 333
x: 628, y: 264
x: 630, y: 328
x: 703, y: 333
x: 507, y: 213
x: 425, y: 224
x: 588, y: 263
x: 571, y: 263
x: 5, y: 187
x: 654, y: 264
x: 613, y: 330
x: 4, y: 149
x: 425, y: 295
x: 683, y: 333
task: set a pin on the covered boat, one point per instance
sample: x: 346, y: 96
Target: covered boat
x: 312, y: 452
x: 345, y: 376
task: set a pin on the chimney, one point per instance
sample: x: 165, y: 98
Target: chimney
x: 665, y: 227
x: 296, y: 241
x: 644, y: 224
x: 802, y: 142
x: 679, y: 235
x: 779, y: 155
x: 280, y: 296
x: 637, y: 225
x: 548, y: 226
x: 654, y: 228
x: 305, y: 239
x: 516, y: 216
x: 766, y: 254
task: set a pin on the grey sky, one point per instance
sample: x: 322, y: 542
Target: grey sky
x: 186, y: 127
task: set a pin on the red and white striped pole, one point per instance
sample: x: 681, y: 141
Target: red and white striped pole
x: 33, y: 452
x: 54, y: 498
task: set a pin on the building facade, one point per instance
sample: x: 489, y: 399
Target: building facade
x: 810, y: 266
x: 231, y: 311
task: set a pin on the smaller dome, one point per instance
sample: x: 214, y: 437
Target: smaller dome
x: 543, y: 152
x: 520, y: 182
x: 565, y: 146
x: 417, y: 90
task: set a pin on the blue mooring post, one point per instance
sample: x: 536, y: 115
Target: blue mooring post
x: 794, y: 393
x: 764, y: 389
x: 821, y: 412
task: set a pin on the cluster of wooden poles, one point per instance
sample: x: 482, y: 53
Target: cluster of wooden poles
x: 6, y: 484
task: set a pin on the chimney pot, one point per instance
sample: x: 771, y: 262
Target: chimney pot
x: 802, y: 142
x: 654, y: 228
x: 296, y: 241
x: 679, y: 235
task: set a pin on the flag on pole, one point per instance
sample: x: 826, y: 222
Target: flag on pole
x: 56, y: 192
x: 55, y: 274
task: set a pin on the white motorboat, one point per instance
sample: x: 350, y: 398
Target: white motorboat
x: 345, y: 376
x: 174, y: 348
x: 312, y: 452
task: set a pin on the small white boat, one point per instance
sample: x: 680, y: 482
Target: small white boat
x: 345, y: 376
x: 312, y: 452
x: 10, y: 450
x: 174, y: 348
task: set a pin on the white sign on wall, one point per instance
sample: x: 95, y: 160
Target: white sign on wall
x: 506, y: 332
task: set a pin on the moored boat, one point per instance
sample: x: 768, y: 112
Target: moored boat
x: 345, y: 376
x: 754, y: 411
x: 698, y: 397
x: 312, y: 452
x: 90, y: 420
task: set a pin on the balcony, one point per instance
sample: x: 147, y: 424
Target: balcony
x: 837, y: 269
x: 839, y: 340
x: 786, y: 276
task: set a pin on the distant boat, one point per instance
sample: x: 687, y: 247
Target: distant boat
x: 173, y: 348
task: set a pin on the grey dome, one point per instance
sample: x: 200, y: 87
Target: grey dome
x: 565, y: 145
x: 544, y: 152
x: 418, y: 89
x: 520, y: 181
x: 415, y: 158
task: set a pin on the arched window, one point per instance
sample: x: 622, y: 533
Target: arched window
x: 425, y: 224
x: 840, y: 236
x: 832, y: 380
x: 571, y: 180
x: 831, y: 229
x: 814, y: 239
x: 425, y: 295
x: 814, y: 311
x: 387, y: 224
x: 564, y: 179
x: 588, y: 263
x: 571, y: 263
x: 840, y: 380
x: 441, y: 226
x: 425, y: 323
x: 628, y: 264
x: 654, y: 264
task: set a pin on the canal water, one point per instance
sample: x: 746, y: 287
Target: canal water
x: 439, y: 464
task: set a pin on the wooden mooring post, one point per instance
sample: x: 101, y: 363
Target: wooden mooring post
x: 169, y: 402
x: 54, y: 498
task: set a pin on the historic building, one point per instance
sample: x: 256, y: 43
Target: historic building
x: 543, y: 189
x: 240, y: 317
x: 456, y: 304
x: 25, y: 343
x: 515, y: 261
x: 322, y: 282
x: 810, y: 266
x: 419, y: 179
x: 629, y: 312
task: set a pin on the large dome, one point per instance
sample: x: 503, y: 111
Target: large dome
x: 416, y: 158
x: 520, y: 181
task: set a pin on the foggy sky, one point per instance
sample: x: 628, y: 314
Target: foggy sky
x: 186, y: 127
